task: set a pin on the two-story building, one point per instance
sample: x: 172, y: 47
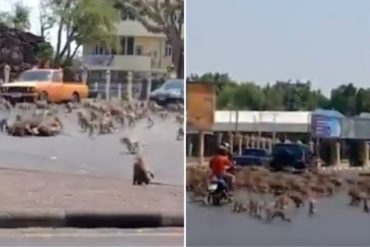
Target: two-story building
x: 146, y: 55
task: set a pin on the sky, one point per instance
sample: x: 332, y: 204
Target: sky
x: 324, y: 41
x: 33, y: 5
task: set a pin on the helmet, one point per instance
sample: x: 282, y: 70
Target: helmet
x: 226, y: 145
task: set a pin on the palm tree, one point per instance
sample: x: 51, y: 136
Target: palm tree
x: 21, y: 17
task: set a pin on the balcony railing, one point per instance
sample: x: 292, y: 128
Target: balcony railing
x: 118, y: 62
x: 98, y: 60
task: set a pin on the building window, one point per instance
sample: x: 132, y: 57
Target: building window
x: 127, y: 45
x: 101, y: 50
x: 127, y: 15
x: 168, y: 51
x: 139, y: 50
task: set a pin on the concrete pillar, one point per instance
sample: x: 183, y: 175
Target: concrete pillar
x: 365, y: 153
x: 129, y: 86
x: 201, y: 147
x: 149, y: 86
x: 252, y: 142
x: 335, y: 153
x: 258, y: 144
x: 270, y: 143
x: 311, y: 146
x: 84, y: 74
x: 231, y: 142
x: 107, y: 84
x: 240, y: 143
x: 246, y: 140
x: 219, y: 138
x: 119, y: 91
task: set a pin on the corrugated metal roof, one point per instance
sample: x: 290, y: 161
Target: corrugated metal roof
x: 296, y: 117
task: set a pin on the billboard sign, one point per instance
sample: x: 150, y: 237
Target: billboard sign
x: 325, y: 126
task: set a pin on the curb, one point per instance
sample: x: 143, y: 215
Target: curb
x: 345, y: 168
x: 90, y: 220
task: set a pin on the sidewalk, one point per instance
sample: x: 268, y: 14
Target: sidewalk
x: 39, y: 192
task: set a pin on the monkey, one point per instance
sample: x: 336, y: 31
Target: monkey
x: 272, y: 214
x: 69, y: 107
x: 21, y: 127
x: 366, y: 206
x: 163, y: 115
x: 3, y: 124
x: 41, y: 104
x: 92, y: 127
x: 239, y: 207
x: 131, y: 119
x: 132, y: 146
x: 94, y: 116
x: 82, y: 121
x: 150, y: 121
x: 140, y: 174
x: 252, y: 207
x: 180, y: 134
x: 179, y: 119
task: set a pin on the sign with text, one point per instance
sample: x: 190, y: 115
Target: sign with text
x: 325, y: 126
x: 200, y: 105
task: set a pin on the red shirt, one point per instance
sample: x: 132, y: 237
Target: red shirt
x: 219, y: 164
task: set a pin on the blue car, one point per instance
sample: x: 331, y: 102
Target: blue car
x: 172, y: 91
x: 253, y: 157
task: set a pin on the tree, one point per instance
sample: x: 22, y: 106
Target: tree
x: 45, y: 55
x: 165, y: 17
x: 18, y: 18
x: 343, y: 99
x: 47, y: 18
x: 83, y: 21
x: 221, y: 80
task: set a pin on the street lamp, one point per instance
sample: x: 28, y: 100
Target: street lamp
x: 129, y: 86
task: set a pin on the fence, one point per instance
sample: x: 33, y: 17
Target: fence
x: 119, y: 89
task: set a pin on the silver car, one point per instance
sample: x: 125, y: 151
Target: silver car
x: 172, y: 91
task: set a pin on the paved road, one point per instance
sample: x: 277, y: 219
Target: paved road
x: 91, y: 238
x: 335, y: 225
x: 75, y: 152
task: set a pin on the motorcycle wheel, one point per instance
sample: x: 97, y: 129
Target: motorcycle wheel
x: 216, y: 200
x: 209, y: 199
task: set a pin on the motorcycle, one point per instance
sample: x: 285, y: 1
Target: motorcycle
x: 218, y: 192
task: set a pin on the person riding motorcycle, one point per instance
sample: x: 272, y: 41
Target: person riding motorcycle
x: 220, y: 164
x: 228, y: 151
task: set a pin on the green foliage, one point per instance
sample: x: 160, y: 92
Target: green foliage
x: 285, y: 95
x: 165, y: 17
x: 46, y: 53
x: 92, y: 21
x: 18, y: 18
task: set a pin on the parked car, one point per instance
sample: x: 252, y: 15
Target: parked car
x: 291, y: 155
x: 172, y: 91
x: 252, y: 157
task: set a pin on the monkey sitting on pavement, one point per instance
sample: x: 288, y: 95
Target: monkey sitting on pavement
x: 141, y: 174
